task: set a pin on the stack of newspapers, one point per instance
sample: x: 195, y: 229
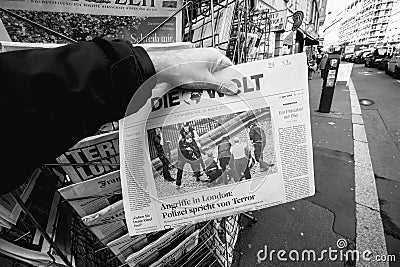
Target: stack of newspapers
x: 19, y: 237
x: 92, y: 165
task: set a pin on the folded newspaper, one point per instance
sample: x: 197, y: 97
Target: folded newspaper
x: 93, y: 195
x: 191, y: 156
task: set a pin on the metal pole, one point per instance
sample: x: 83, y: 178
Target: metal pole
x: 38, y: 25
x: 267, y: 24
x: 246, y: 17
x: 40, y: 229
x: 165, y: 21
x: 212, y: 23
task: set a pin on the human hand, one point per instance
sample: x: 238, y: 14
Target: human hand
x: 193, y: 69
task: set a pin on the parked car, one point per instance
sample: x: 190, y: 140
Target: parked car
x: 394, y: 66
x: 347, y: 57
x: 360, y: 59
x: 383, y: 65
x: 355, y: 55
x: 373, y: 59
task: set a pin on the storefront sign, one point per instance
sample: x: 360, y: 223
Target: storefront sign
x: 298, y: 17
x: 278, y: 20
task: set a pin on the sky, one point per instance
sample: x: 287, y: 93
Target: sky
x: 336, y: 5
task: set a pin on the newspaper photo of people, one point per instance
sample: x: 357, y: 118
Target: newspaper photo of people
x: 209, y: 152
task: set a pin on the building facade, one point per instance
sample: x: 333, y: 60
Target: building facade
x: 370, y: 22
x: 287, y: 41
x: 331, y: 29
x: 392, y: 36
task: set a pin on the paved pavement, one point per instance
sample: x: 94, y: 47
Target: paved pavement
x: 382, y: 123
x: 320, y: 221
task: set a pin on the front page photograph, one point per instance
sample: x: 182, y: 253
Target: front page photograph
x: 191, y: 164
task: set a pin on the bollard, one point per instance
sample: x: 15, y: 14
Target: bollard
x: 328, y: 86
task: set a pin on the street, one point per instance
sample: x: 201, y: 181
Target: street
x: 343, y: 207
x: 382, y: 124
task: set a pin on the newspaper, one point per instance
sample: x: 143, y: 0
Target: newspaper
x: 107, y: 224
x: 159, y: 248
x: 143, y: 8
x: 270, y: 116
x: 182, y: 249
x: 93, y: 195
x: 126, y: 245
x: 148, y: 15
x: 9, y: 208
x: 24, y: 241
x: 101, y: 151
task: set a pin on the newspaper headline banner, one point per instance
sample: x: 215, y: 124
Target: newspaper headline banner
x: 137, y: 8
x: 150, y: 13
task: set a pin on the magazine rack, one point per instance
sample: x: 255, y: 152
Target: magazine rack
x: 235, y: 27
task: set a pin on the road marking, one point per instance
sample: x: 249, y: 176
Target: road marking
x: 369, y: 228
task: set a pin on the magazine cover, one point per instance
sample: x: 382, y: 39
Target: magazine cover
x: 191, y: 156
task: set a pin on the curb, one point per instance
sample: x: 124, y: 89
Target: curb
x: 370, y: 238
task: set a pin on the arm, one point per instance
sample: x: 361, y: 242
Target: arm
x: 52, y: 98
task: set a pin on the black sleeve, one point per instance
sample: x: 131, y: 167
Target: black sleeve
x: 52, y: 98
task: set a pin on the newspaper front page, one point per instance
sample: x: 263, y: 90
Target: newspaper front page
x: 191, y: 156
x: 115, y: 8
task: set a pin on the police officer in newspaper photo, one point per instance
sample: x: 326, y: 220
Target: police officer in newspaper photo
x: 160, y: 145
x: 188, y: 152
x: 259, y: 140
x: 186, y: 130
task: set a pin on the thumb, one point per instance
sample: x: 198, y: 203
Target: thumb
x: 223, y: 62
x: 222, y: 85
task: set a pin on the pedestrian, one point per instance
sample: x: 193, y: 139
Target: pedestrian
x: 311, y: 63
x: 159, y: 146
x: 322, y: 65
x: 259, y: 140
x: 318, y: 60
x: 188, y: 152
x: 65, y: 94
x: 240, y: 154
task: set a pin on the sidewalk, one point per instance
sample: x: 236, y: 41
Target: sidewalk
x: 320, y: 221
